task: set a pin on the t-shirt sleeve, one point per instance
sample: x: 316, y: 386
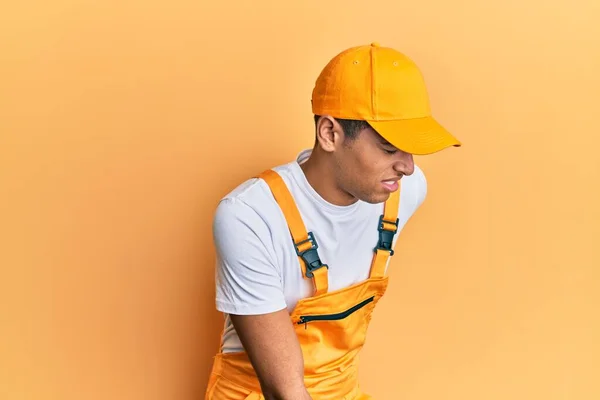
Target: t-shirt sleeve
x: 413, y: 196
x: 421, y: 192
x: 247, y: 278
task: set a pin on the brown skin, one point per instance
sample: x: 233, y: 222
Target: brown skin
x: 342, y: 171
x: 273, y: 349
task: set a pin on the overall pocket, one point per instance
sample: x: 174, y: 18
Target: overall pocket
x: 305, y: 319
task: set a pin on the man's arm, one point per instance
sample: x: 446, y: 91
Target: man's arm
x: 273, y: 348
x: 249, y: 288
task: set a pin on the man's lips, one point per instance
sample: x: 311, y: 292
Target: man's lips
x: 391, y: 184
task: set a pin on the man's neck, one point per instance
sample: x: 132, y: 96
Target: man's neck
x: 320, y: 175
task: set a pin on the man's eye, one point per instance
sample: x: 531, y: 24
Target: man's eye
x: 390, y: 151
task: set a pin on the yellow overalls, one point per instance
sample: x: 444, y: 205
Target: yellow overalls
x: 331, y: 326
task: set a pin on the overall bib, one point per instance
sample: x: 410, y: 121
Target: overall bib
x: 331, y: 326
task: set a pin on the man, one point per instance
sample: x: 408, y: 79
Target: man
x: 303, y: 248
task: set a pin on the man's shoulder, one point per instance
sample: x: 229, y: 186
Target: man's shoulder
x: 412, y: 195
x: 418, y: 183
x: 240, y: 203
x: 251, y: 200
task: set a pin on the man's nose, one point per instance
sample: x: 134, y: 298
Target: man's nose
x: 405, y: 163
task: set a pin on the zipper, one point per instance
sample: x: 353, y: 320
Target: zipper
x: 305, y: 319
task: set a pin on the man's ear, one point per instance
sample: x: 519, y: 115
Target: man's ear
x: 329, y: 133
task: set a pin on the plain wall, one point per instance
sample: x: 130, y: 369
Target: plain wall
x: 122, y: 123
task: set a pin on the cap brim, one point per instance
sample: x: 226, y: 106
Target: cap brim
x: 418, y: 136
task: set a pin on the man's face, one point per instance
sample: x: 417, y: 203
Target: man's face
x: 368, y: 168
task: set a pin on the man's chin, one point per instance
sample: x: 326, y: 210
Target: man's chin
x: 377, y: 198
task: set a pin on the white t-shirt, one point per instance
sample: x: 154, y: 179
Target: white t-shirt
x: 257, y: 268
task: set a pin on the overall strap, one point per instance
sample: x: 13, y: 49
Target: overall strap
x: 387, y: 227
x: 304, y: 242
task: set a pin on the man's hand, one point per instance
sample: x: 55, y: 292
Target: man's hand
x: 273, y: 348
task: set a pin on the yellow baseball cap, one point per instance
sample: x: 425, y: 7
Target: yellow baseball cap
x: 384, y: 87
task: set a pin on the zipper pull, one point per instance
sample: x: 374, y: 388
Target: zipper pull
x: 305, y: 322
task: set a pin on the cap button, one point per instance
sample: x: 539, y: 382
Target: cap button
x: 375, y: 44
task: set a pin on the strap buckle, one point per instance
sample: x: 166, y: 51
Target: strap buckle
x: 386, y: 237
x: 310, y: 255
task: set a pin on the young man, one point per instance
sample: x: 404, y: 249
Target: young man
x: 303, y: 248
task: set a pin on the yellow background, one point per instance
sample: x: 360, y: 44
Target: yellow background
x: 122, y: 123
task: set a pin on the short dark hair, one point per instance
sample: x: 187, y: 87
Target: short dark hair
x: 351, y: 127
